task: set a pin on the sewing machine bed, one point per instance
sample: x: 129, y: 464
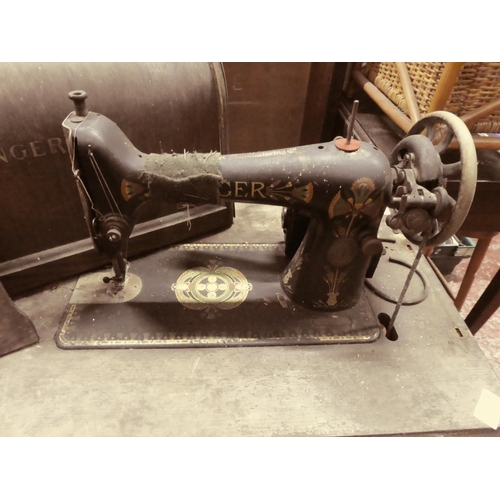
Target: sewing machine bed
x: 197, y: 295
x: 205, y: 295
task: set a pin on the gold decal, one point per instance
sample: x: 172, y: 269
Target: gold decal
x: 256, y: 189
x: 211, y: 288
x: 3, y: 155
x: 67, y: 321
x: 276, y: 152
x: 131, y: 189
x: 259, y: 191
x: 239, y: 189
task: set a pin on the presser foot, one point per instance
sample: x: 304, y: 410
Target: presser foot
x: 117, y: 283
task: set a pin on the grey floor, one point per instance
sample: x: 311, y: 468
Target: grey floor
x: 428, y: 382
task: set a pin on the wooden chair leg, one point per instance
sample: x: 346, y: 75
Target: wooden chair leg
x: 475, y: 262
x: 445, y: 86
x: 486, y: 306
x: 383, y: 102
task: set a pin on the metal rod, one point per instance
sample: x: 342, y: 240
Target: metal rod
x: 408, y: 280
x: 352, y: 118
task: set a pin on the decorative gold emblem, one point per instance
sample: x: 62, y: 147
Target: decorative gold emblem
x: 348, y: 206
x: 131, y: 189
x: 295, y: 265
x: 333, y: 280
x: 287, y: 191
x: 211, y: 288
x: 354, y: 200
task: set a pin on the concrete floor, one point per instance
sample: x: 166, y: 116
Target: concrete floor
x: 240, y: 391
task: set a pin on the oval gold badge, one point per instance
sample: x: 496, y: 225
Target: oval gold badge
x: 211, y: 288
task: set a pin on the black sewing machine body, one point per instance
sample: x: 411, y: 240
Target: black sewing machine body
x: 343, y: 189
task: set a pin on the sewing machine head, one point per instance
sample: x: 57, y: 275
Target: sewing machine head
x: 342, y: 187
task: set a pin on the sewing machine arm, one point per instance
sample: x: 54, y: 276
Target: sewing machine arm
x: 343, y: 188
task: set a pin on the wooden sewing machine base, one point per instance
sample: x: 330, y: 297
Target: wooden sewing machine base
x: 427, y: 382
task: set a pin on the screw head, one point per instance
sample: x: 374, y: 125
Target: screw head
x: 114, y: 235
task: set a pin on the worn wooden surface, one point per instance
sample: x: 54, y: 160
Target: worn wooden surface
x: 324, y: 91
x: 483, y: 214
x: 265, y: 104
x: 426, y: 382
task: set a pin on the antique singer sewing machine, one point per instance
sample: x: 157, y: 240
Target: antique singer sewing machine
x: 343, y: 190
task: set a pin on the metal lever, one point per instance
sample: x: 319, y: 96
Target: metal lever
x: 349, y: 145
x: 352, y: 118
x: 408, y: 281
